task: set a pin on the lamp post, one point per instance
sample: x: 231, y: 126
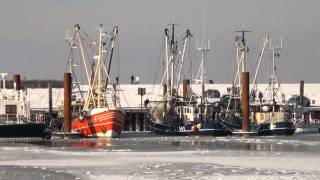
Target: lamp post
x: 141, y: 92
x: 3, y: 75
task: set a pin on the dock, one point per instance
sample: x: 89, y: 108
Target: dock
x: 135, y: 119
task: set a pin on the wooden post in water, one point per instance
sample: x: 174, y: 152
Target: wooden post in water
x: 16, y: 82
x: 185, y: 89
x: 301, y: 93
x: 137, y: 116
x: 142, y: 122
x: 245, y: 101
x: 50, y: 100
x: 67, y: 102
x: 133, y: 122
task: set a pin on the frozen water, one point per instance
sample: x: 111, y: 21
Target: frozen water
x: 154, y: 157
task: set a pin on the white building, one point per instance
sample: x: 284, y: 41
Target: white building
x: 129, y: 93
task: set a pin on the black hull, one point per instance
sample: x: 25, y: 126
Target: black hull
x: 24, y: 130
x: 281, y: 128
x: 180, y: 130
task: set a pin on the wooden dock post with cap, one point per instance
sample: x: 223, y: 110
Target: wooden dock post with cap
x: 16, y: 82
x: 67, y: 102
x: 245, y: 101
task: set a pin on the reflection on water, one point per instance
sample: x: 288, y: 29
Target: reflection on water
x: 297, y: 143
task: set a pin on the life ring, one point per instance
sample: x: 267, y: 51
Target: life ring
x: 199, y: 126
x: 194, y: 128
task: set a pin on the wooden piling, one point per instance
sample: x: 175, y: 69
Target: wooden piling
x: 185, y: 90
x: 16, y: 82
x: 50, y: 99
x: 133, y: 122
x: 137, y: 117
x: 130, y: 117
x: 127, y: 122
x: 301, y: 92
x: 67, y: 102
x: 245, y: 101
x: 142, y: 122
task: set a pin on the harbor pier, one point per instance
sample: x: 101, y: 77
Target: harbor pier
x: 135, y: 119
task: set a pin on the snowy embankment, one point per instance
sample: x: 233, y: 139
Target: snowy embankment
x: 129, y: 93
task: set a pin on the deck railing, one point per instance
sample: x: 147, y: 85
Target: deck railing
x: 18, y: 119
x: 12, y: 119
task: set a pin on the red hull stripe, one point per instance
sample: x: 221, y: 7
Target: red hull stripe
x: 96, y: 125
x: 100, y: 123
x: 103, y: 118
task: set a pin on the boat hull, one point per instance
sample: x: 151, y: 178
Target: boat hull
x: 24, y: 130
x: 279, y: 128
x: 108, y: 123
x: 186, y: 130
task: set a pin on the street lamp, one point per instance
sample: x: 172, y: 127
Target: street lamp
x: 141, y: 92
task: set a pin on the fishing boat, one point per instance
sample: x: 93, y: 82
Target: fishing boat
x: 101, y: 115
x: 15, y: 118
x: 175, y: 114
x: 270, y: 114
x: 303, y: 114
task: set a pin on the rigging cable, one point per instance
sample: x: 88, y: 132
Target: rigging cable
x: 157, y: 67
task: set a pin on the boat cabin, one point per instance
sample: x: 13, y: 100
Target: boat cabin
x: 186, y: 113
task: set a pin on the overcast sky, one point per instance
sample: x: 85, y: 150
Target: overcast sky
x: 32, y: 33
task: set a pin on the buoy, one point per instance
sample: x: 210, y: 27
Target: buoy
x: 199, y: 126
x: 194, y: 128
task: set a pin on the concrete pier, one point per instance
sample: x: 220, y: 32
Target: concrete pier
x: 135, y: 119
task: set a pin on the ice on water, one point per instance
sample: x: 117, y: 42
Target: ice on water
x: 154, y: 157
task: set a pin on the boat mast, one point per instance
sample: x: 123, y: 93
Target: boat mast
x: 174, y: 62
x: 83, y: 52
x: 166, y: 31
x: 254, y: 87
x: 275, y: 54
x: 173, y: 52
x: 185, y: 42
x: 242, y: 49
x: 73, y: 43
x: 272, y: 81
x: 113, y: 37
x: 204, y: 49
x: 99, y: 73
x: 100, y: 76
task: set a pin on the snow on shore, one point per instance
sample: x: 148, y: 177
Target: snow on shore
x: 129, y: 93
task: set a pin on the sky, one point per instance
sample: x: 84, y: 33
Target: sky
x: 32, y: 34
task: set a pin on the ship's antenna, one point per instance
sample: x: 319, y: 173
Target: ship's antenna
x: 243, y: 38
x: 173, y: 28
x: 173, y: 17
x: 173, y: 50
